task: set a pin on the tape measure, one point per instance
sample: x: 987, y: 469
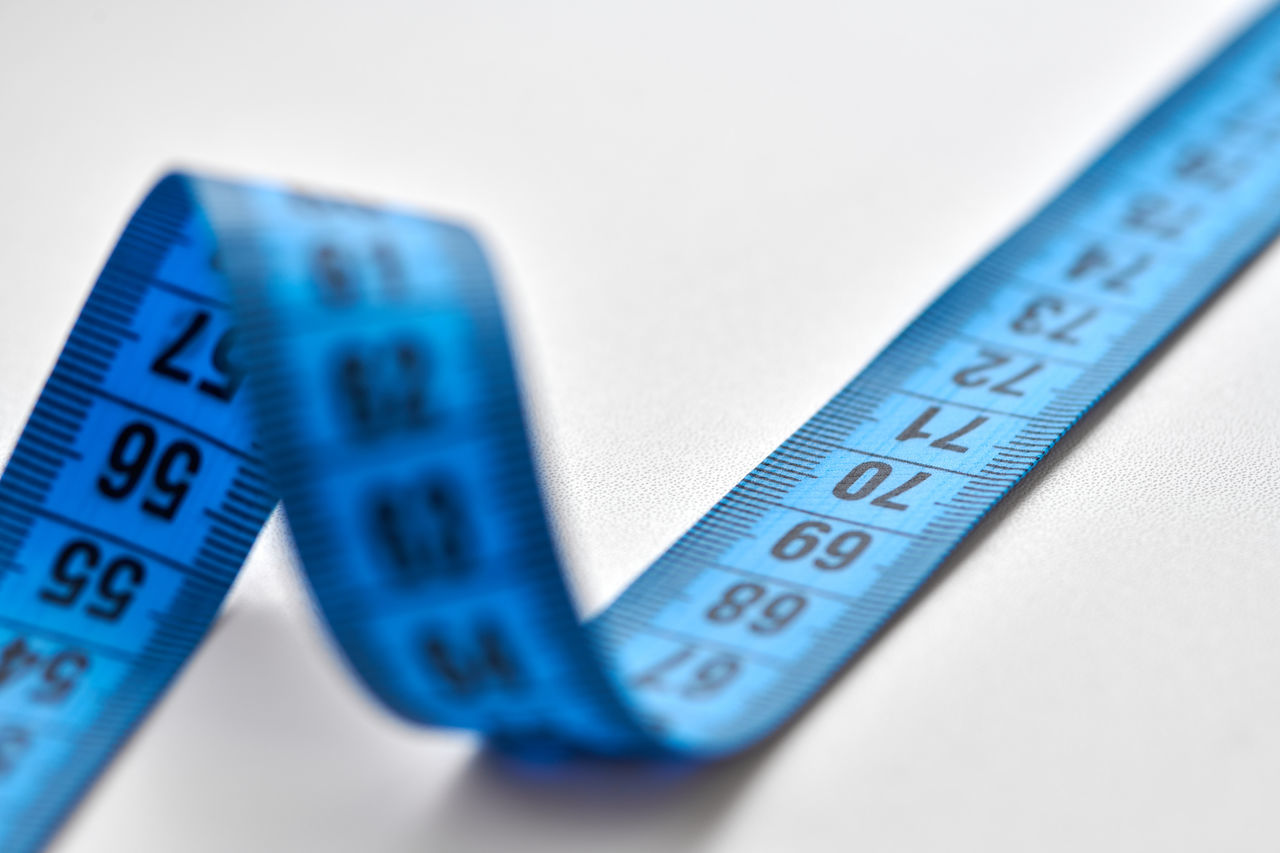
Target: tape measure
x: 246, y: 341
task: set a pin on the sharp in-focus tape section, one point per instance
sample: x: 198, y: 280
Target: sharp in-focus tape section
x: 359, y: 354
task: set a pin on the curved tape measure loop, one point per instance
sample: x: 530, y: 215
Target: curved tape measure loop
x: 369, y: 346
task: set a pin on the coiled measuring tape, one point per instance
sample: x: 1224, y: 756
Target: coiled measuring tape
x: 245, y: 341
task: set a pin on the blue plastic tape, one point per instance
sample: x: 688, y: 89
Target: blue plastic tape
x: 245, y: 338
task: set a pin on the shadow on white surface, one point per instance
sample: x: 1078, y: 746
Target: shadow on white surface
x: 498, y: 803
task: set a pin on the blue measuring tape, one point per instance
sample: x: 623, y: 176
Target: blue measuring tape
x: 245, y: 341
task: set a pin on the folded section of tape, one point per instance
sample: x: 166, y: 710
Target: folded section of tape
x: 246, y: 342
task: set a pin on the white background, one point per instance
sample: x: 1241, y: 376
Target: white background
x: 708, y: 217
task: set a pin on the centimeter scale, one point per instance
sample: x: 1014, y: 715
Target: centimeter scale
x: 246, y: 342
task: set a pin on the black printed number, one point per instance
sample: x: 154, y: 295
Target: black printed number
x: 74, y: 571
x: 976, y: 375
x: 420, y: 530
x: 333, y: 274
x: 382, y: 388
x: 468, y: 668
x: 801, y: 541
x: 1050, y: 316
x: 1161, y: 216
x: 130, y: 459
x: 1116, y: 274
x: 59, y: 673
x: 865, y: 479
x: 770, y: 617
x: 702, y: 681
x: 336, y: 272
x: 227, y: 377
x: 1204, y: 165
x: 944, y: 442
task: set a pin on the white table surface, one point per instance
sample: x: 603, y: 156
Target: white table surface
x: 708, y: 217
